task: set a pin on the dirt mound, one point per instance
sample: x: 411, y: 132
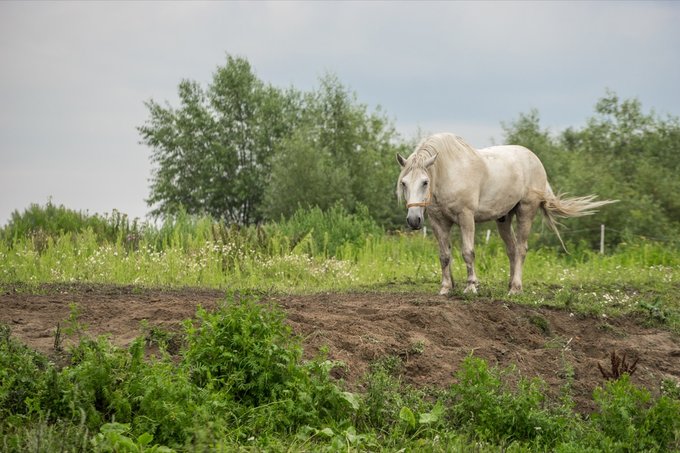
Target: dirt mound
x: 432, y: 334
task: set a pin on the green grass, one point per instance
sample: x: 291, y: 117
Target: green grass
x: 239, y: 382
x: 641, y: 277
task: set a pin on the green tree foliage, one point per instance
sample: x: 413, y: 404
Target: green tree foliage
x: 621, y: 153
x: 340, y: 153
x: 244, y: 151
x: 213, y: 153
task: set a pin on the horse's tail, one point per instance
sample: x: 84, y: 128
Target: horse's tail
x: 554, y: 206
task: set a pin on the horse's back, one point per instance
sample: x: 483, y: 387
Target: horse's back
x: 516, y: 162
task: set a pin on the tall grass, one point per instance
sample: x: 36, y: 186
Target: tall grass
x: 313, y: 250
x: 326, y: 251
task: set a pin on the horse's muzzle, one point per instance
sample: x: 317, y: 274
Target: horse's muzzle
x: 414, y: 220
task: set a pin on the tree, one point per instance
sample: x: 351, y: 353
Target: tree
x: 245, y: 151
x: 526, y: 131
x: 622, y: 153
x: 340, y: 153
x: 214, y: 152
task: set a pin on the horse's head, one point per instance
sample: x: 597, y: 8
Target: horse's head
x: 414, y: 186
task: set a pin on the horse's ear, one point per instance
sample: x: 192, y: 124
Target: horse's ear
x: 431, y: 160
x: 401, y: 160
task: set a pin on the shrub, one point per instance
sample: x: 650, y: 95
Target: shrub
x: 484, y: 402
x: 632, y: 421
x: 42, y: 223
x: 23, y: 377
x: 246, y: 353
x: 325, y: 233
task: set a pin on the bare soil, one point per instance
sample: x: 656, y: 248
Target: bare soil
x: 432, y: 334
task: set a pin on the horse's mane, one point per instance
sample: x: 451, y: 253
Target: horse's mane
x: 444, y: 145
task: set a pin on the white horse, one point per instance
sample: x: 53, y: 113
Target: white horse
x: 461, y: 185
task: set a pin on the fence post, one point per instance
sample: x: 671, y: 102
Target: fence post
x: 602, y: 239
x: 488, y: 234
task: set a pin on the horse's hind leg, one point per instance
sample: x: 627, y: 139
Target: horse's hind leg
x: 441, y: 228
x: 467, y: 233
x: 508, y: 236
x: 525, y: 217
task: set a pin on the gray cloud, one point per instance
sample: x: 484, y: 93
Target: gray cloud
x: 75, y: 75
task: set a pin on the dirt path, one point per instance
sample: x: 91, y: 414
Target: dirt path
x: 432, y: 334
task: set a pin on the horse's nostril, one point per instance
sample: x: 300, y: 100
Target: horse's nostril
x: 414, y: 222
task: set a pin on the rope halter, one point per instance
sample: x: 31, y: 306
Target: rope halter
x: 423, y: 203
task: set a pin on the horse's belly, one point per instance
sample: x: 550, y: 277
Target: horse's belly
x: 487, y: 215
x: 497, y: 204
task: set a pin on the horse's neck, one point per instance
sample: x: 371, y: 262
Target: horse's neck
x: 466, y: 164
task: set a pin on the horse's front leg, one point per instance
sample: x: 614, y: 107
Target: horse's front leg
x: 441, y: 228
x: 467, y: 233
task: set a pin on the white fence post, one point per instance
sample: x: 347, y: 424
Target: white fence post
x: 602, y: 239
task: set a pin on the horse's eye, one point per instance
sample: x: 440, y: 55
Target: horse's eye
x: 403, y: 184
x: 425, y: 183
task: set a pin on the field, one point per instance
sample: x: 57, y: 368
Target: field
x: 287, y: 339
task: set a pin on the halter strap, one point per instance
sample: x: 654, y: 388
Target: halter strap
x: 424, y: 203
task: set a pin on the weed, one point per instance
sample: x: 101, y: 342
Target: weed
x: 74, y: 326
x: 112, y: 399
x: 542, y: 324
x: 58, y: 339
x: 619, y: 367
x: 114, y: 437
x: 23, y: 377
x: 246, y: 351
x: 483, y: 403
x: 655, y: 312
x: 417, y: 347
x: 670, y: 388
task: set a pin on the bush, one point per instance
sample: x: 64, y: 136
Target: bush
x: 246, y: 353
x: 42, y: 223
x: 632, y: 421
x: 484, y: 402
x: 242, y: 384
x: 325, y: 233
x: 23, y: 377
x: 243, y: 349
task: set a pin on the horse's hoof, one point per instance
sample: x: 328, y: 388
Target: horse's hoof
x: 514, y: 291
x: 444, y: 291
x: 471, y: 288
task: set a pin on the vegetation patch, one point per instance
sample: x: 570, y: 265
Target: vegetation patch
x: 239, y: 381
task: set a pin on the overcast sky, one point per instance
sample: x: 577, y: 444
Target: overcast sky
x: 74, y: 76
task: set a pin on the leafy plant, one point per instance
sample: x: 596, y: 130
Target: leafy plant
x: 245, y: 352
x: 243, y: 349
x: 113, y: 437
x: 619, y: 367
x: 23, y: 377
x: 483, y: 402
x: 633, y: 421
